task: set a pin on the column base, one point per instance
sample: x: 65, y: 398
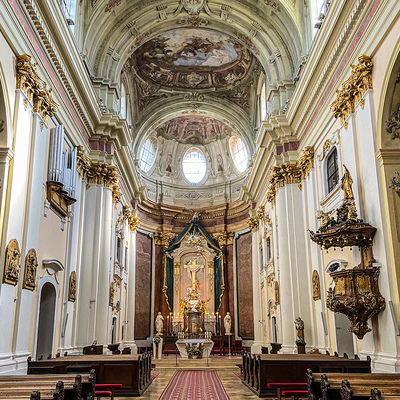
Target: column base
x: 7, y: 363
x: 256, y: 347
x: 132, y: 345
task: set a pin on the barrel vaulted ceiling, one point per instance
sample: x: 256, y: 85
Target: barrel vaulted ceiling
x: 192, y: 71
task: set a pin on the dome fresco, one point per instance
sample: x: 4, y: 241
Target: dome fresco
x: 192, y: 58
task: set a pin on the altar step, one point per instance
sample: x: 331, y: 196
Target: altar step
x: 223, y: 363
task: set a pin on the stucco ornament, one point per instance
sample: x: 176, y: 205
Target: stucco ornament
x: 12, y: 267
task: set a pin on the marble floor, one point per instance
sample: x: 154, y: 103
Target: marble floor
x: 233, y: 386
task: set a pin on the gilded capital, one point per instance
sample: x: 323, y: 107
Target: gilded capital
x: 133, y: 223
x: 353, y: 88
x: 252, y: 223
x: 288, y: 173
x: 95, y: 173
x: 164, y: 238
x: 223, y: 238
x: 35, y: 88
x: 117, y: 195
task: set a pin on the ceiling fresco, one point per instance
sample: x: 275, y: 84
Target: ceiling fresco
x: 193, y: 58
x: 193, y: 130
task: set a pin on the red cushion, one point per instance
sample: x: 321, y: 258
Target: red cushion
x: 108, y: 386
x: 294, y: 392
x: 280, y: 385
x: 102, y: 394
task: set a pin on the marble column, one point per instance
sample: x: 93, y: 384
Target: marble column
x: 89, y: 264
x: 257, y: 307
x: 373, y: 213
x: 16, y: 212
x: 34, y: 209
x: 67, y: 339
x: 105, y: 271
x: 130, y: 302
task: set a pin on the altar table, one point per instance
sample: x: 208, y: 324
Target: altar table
x: 207, y: 346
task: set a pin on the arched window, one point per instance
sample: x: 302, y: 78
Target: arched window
x: 69, y: 9
x: 147, y: 154
x: 332, y: 170
x: 122, y: 112
x: 263, y: 104
x: 194, y: 166
x: 239, y: 153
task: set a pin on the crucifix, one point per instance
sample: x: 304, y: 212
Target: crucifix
x: 193, y: 268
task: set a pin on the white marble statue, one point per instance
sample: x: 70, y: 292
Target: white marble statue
x: 228, y: 324
x: 159, y: 323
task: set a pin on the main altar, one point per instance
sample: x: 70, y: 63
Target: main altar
x: 193, y: 287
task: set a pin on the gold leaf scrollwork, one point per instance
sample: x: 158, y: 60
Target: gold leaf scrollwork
x: 133, y: 223
x: 289, y: 173
x: 223, y: 238
x: 72, y: 287
x: 30, y: 270
x: 252, y: 223
x: 35, y: 88
x: 164, y: 238
x: 95, y: 173
x: 12, y: 266
x: 276, y: 292
x: 353, y: 88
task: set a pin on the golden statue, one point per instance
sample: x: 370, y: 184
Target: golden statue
x: 347, y: 181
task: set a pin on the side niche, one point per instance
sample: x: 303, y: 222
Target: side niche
x: 356, y: 291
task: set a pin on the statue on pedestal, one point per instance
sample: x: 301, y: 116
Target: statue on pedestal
x: 159, y: 323
x: 228, y: 324
x: 300, y: 330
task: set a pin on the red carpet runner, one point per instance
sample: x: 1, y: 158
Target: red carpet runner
x: 194, y: 385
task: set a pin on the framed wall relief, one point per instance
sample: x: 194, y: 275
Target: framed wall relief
x: 30, y: 270
x: 276, y: 290
x: 72, y: 287
x: 12, y: 265
x: 316, y: 288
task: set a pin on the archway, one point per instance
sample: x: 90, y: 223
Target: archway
x: 45, y: 329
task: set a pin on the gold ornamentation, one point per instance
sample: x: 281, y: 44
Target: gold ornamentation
x: 347, y: 181
x: 340, y: 288
x: 72, y: 287
x: 358, y: 305
x: 112, y: 294
x: 276, y: 292
x: 223, y: 238
x: 327, y: 146
x: 353, y: 89
x: 12, y: 265
x: 164, y: 238
x: 58, y: 197
x: 35, y: 88
x: 316, y: 286
x: 252, y: 223
x: 288, y: 173
x: 30, y: 270
x: 133, y: 223
x: 95, y: 173
x: 117, y: 195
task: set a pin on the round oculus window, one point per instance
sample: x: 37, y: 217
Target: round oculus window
x: 194, y: 166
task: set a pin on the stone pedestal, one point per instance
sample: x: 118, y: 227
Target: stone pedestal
x: 157, y: 350
x: 301, y: 348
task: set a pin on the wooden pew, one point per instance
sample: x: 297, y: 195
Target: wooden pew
x: 346, y: 386
x: 50, y: 386
x: 132, y: 371
x: 260, y: 370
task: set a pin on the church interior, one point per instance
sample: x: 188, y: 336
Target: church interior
x: 199, y: 196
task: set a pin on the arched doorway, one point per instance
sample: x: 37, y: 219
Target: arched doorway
x: 45, y: 329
